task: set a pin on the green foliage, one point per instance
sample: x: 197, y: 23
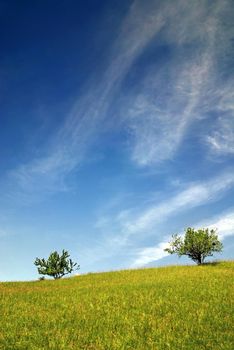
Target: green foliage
x: 196, y: 244
x: 168, y: 308
x: 56, y: 266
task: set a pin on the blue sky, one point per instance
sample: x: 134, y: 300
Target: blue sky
x: 116, y: 129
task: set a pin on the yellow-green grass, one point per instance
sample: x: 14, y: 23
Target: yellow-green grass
x: 178, y: 307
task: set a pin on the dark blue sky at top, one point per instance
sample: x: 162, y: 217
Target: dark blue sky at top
x: 47, y: 52
x: 116, y: 128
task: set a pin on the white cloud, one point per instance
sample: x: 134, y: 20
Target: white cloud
x: 223, y: 223
x: 158, y: 130
x: 147, y: 255
x: 221, y: 139
x: 164, y: 104
x: 167, y: 101
x: 195, y: 195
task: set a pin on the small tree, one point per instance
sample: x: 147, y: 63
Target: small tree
x: 56, y: 266
x: 196, y: 244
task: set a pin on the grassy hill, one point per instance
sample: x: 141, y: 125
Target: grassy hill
x: 179, y: 307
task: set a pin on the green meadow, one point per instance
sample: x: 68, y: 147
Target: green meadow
x: 178, y: 307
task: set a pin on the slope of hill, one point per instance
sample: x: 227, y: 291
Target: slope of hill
x: 178, y: 307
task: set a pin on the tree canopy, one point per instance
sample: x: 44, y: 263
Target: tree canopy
x: 56, y: 265
x: 196, y: 244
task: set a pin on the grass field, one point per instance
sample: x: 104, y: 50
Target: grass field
x: 180, y: 307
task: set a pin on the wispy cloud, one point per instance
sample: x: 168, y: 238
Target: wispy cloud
x: 147, y: 255
x: 158, y: 130
x: 195, y: 195
x: 162, y: 108
x: 221, y: 139
x: 166, y: 101
x: 68, y: 146
x: 223, y: 223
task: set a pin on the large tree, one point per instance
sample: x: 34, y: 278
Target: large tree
x: 196, y: 244
x: 56, y: 265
